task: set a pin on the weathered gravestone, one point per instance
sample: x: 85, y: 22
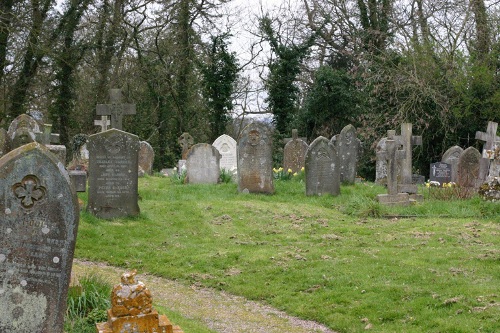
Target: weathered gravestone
x: 24, y: 129
x: 185, y: 141
x: 407, y: 140
x: 255, y: 160
x: 451, y: 157
x: 294, y: 153
x: 4, y: 142
x: 348, y: 148
x: 322, y: 168
x: 468, y: 169
x: 146, y: 158
x: 440, y: 172
x: 203, y: 164
x: 392, y: 155
x: 489, y: 138
x: 117, y: 109
x: 381, y: 163
x: 113, y: 179
x: 38, y: 226
x: 226, y: 146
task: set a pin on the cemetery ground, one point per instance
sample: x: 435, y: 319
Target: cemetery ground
x: 345, y: 262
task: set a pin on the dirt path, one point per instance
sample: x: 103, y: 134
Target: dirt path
x: 219, y: 311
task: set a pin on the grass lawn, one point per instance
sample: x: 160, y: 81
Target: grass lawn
x: 432, y: 267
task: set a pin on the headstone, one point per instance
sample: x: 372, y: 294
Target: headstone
x: 203, y: 164
x: 440, y: 172
x: 468, y: 168
x: 146, y: 157
x: 38, y: 226
x: 78, y: 179
x: 392, y: 155
x: 132, y: 310
x: 113, y: 180
x: 494, y: 156
x: 255, y: 160
x: 47, y: 137
x: 381, y: 163
x: 104, y: 123
x: 117, y: 109
x: 181, y: 166
x: 418, y: 179
x: 4, y: 142
x: 23, y: 130
x: 489, y: 139
x: 451, y: 156
x: 407, y: 140
x: 349, y: 148
x: 226, y: 146
x: 322, y: 168
x: 294, y: 153
x: 185, y: 141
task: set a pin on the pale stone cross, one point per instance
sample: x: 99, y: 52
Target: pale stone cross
x: 487, y: 168
x: 295, y: 136
x: 47, y: 137
x: 104, y: 122
x: 116, y: 109
x: 392, y: 155
x: 185, y: 141
x: 408, y: 141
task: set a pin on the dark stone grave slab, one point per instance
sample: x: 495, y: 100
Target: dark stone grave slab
x: 440, y: 172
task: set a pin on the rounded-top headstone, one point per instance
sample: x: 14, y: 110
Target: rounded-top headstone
x: 322, y: 168
x: 23, y: 130
x: 38, y: 224
x: 468, y: 168
x: 202, y: 164
x: 226, y: 146
x: 294, y: 154
x: 348, y: 147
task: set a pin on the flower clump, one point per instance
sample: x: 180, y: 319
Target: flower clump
x: 282, y: 174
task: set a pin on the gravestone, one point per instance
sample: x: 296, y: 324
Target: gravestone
x: 407, y: 140
x: 381, y: 163
x: 51, y: 141
x: 349, y: 149
x: 489, y: 139
x: 494, y: 156
x: 392, y: 155
x: 203, y: 164
x: 469, y: 169
x: 23, y: 130
x: 38, y: 226
x: 451, y: 157
x: 440, y: 172
x: 185, y: 141
x: 255, y: 160
x: 116, y: 110
x: 78, y: 179
x: 322, y: 168
x: 113, y: 180
x: 226, y: 146
x: 4, y: 142
x: 294, y: 153
x: 146, y: 157
x: 104, y: 123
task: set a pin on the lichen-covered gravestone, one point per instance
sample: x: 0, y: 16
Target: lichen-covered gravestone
x: 38, y: 227
x: 348, y: 147
x: 146, y: 158
x: 226, y: 146
x: 255, y: 160
x: 451, y: 157
x: 469, y: 169
x: 322, y: 168
x: 381, y: 163
x: 24, y: 129
x: 4, y: 142
x: 294, y: 153
x: 113, y: 179
x: 203, y: 164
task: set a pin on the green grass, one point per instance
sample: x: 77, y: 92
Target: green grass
x: 336, y: 260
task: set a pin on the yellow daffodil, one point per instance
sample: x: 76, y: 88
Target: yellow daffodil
x: 295, y: 174
x: 289, y: 170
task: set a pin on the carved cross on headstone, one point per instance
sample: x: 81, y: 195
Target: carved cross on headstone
x: 116, y: 109
x: 392, y: 155
x: 185, y: 141
x: 104, y: 122
x: 408, y: 141
x: 47, y: 137
x: 489, y: 138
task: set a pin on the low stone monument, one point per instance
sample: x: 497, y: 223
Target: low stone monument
x: 132, y: 310
x: 451, y: 157
x: 226, y: 146
x: 322, y: 168
x: 203, y: 164
x: 146, y: 158
x: 113, y: 179
x: 255, y: 160
x: 349, y: 149
x: 38, y: 224
x: 294, y: 153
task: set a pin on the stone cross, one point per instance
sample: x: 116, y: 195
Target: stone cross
x: 407, y: 140
x: 295, y: 136
x: 116, y: 109
x: 489, y: 139
x: 104, y: 122
x: 47, y: 137
x: 185, y: 141
x: 392, y: 155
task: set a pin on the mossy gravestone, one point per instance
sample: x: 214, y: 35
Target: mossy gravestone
x: 38, y: 226
x: 322, y: 168
x: 113, y: 179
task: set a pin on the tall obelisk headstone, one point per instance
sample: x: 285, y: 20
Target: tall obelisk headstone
x: 38, y: 226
